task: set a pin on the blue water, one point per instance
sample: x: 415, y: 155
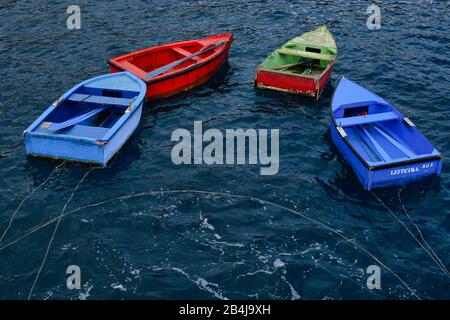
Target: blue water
x: 203, y: 246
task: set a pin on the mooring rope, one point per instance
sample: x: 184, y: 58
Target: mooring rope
x: 58, y: 221
x: 438, y: 264
x: 11, y: 146
x: 24, y: 199
x: 223, y: 194
x: 5, y: 150
x: 444, y: 268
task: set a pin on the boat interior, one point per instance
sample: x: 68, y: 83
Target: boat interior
x: 380, y: 134
x: 88, y: 112
x: 299, y: 60
x: 154, y: 58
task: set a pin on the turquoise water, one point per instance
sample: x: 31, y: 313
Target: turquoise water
x: 188, y: 244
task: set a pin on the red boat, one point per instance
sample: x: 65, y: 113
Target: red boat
x: 175, y: 67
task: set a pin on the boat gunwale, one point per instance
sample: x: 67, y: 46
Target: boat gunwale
x: 164, y: 46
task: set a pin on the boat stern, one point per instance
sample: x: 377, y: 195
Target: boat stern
x: 375, y: 175
x: 45, y: 146
x: 278, y: 81
x: 406, y: 173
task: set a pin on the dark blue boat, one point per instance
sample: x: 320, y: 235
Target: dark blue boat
x: 90, y: 122
x: 383, y: 147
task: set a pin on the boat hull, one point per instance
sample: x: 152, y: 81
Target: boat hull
x: 82, y: 150
x: 296, y: 84
x: 385, y: 176
x: 176, y: 81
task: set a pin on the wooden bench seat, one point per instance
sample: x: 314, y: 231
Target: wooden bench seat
x: 359, y: 120
x: 306, y: 54
x: 78, y: 130
x: 78, y: 97
x: 186, y: 53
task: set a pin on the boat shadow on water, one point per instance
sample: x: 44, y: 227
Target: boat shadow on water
x: 128, y: 154
x: 217, y: 84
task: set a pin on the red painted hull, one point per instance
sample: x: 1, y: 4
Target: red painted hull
x: 303, y: 85
x: 183, y: 77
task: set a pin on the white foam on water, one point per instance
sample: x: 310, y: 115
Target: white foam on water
x: 230, y: 244
x: 294, y: 293
x: 136, y: 272
x: 314, y: 246
x: 278, y: 263
x: 206, y: 224
x: 87, y: 291
x: 255, y: 272
x: 118, y: 286
x: 203, y: 284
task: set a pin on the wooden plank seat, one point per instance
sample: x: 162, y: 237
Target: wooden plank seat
x: 186, y: 53
x: 358, y: 120
x: 78, y: 130
x: 307, y: 54
x: 78, y: 97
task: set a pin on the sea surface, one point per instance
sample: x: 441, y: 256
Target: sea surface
x: 144, y: 228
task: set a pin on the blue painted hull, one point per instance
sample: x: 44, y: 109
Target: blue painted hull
x: 372, y: 178
x: 82, y: 150
x: 382, y: 146
x: 90, y: 122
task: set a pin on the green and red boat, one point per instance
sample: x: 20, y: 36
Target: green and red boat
x: 302, y: 65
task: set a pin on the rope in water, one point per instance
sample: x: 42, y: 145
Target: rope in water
x: 435, y: 260
x: 421, y: 235
x: 24, y: 199
x: 58, y: 221
x: 202, y: 192
x: 11, y: 146
x: 5, y: 150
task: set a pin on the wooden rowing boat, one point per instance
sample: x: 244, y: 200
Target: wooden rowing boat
x: 90, y: 122
x: 382, y: 146
x: 303, y: 65
x: 175, y: 67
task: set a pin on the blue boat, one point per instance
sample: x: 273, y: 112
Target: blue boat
x: 90, y: 122
x: 382, y: 147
